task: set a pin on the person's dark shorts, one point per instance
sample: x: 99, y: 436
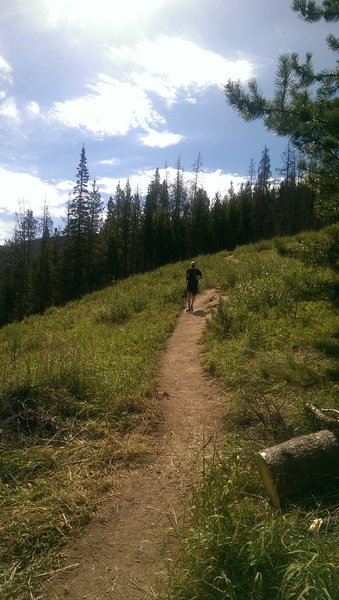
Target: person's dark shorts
x: 192, y: 287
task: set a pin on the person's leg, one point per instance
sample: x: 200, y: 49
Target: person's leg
x: 189, y: 299
x: 192, y: 301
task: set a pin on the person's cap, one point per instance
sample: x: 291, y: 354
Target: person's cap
x: 193, y: 263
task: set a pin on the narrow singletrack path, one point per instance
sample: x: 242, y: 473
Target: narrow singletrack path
x: 122, y: 555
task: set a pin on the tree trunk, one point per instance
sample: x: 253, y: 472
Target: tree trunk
x: 300, y: 466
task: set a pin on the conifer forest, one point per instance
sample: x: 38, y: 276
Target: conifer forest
x: 43, y: 266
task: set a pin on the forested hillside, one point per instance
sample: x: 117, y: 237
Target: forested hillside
x: 44, y: 266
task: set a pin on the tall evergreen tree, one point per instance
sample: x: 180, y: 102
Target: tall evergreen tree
x: 233, y: 217
x: 163, y: 224
x: 304, y: 108
x: 25, y: 232
x: 218, y: 224
x: 77, y: 232
x: 111, y: 265
x: 126, y: 214
x: 152, y: 203
x: 245, y: 229
x: 136, y: 234
x: 44, y: 288
x: 199, y: 227
x: 95, y: 209
x: 178, y: 208
x: 262, y: 199
x: 196, y: 181
x: 251, y: 174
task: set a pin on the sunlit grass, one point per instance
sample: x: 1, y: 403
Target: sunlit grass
x: 273, y: 343
x: 76, y: 400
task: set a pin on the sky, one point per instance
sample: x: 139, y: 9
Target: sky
x: 140, y: 84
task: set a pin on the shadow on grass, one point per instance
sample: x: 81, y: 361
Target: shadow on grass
x: 332, y: 291
x: 324, y: 500
x: 330, y: 349
x: 333, y: 374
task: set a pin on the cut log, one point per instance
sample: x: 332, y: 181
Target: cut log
x: 301, y: 466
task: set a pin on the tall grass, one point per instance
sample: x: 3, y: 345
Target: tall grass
x: 234, y: 547
x: 76, y: 400
x: 273, y: 344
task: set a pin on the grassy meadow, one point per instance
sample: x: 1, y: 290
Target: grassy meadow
x: 77, y: 403
x: 274, y: 345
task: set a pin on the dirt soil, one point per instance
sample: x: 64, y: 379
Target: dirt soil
x: 125, y: 552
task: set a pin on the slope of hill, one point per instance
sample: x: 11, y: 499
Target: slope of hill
x: 273, y: 345
x: 77, y: 399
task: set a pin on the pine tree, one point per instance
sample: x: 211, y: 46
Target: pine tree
x: 251, y: 174
x: 136, y: 235
x: 95, y: 209
x: 218, y: 224
x: 25, y: 232
x: 233, y: 215
x: 111, y: 265
x: 126, y: 213
x: 245, y: 229
x: 44, y: 292
x: 304, y: 108
x: 263, y: 199
x: 196, y: 182
x: 163, y: 227
x: 8, y: 294
x: 152, y: 202
x: 199, y: 228
x: 178, y: 209
x: 77, y: 233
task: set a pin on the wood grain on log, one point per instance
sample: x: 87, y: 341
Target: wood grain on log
x: 300, y: 466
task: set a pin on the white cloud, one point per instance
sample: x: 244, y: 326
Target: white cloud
x: 111, y: 162
x: 217, y: 181
x: 160, y: 139
x: 5, y: 69
x: 8, y: 105
x: 7, y: 225
x: 8, y: 108
x: 212, y: 181
x: 169, y: 67
x: 65, y: 186
x: 169, y: 64
x: 100, y: 16
x: 33, y: 108
x: 18, y: 187
x: 112, y: 108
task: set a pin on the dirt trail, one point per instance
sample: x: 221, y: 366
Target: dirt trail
x: 122, y: 555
